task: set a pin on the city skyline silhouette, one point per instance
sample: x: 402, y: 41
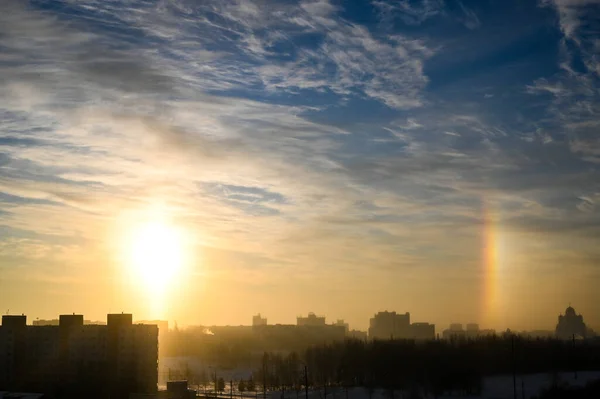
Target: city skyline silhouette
x: 383, y: 325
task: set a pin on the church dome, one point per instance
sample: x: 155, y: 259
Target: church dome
x: 570, y: 311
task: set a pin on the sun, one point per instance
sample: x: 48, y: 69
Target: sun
x: 156, y: 254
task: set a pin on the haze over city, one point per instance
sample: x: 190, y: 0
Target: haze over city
x: 203, y: 161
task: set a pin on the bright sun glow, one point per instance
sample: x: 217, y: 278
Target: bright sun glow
x: 157, y: 254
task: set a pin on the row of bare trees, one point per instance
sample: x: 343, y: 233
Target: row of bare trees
x: 431, y: 367
x: 427, y: 367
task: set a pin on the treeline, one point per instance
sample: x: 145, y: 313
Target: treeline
x: 433, y: 367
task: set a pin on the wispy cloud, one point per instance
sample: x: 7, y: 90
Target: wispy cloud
x: 294, y: 138
x: 575, y: 94
x: 571, y: 13
x: 469, y: 18
x: 410, y: 12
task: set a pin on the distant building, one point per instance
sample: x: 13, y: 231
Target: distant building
x: 311, y: 320
x: 42, y: 322
x: 455, y: 331
x: 389, y: 325
x: 76, y: 360
x: 258, y: 320
x: 422, y: 331
x: 271, y: 337
x: 341, y: 323
x: 571, y: 325
x: 94, y: 323
x: 472, y: 330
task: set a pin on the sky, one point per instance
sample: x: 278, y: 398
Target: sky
x: 440, y: 157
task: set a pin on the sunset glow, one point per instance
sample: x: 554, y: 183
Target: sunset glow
x: 490, y: 253
x: 156, y: 254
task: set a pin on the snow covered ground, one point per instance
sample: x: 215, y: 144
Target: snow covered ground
x: 532, y: 384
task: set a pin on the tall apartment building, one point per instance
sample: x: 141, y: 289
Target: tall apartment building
x: 163, y: 331
x: 390, y: 325
x: 76, y: 360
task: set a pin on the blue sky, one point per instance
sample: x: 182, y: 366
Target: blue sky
x: 340, y: 155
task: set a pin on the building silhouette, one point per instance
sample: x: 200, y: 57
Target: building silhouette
x: 265, y: 336
x: 422, y: 331
x: 342, y: 323
x: 389, y: 325
x: 571, y: 325
x: 311, y: 320
x: 472, y: 330
x: 455, y: 331
x: 357, y: 334
x: 258, y: 320
x: 76, y: 360
x: 163, y: 330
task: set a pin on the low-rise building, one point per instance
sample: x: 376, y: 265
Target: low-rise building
x: 472, y: 331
